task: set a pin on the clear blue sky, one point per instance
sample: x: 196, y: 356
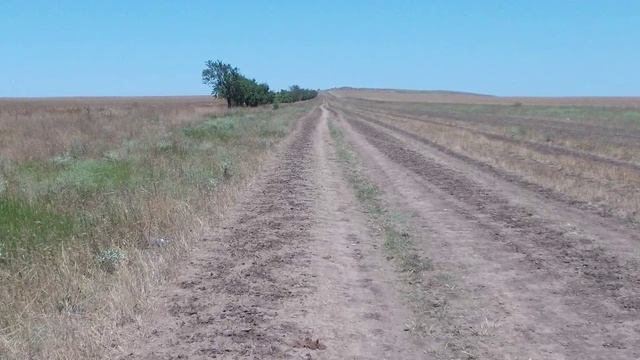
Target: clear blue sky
x: 84, y: 47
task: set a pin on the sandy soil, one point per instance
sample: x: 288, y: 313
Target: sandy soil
x: 299, y: 270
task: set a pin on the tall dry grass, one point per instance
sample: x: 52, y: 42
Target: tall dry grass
x: 39, y: 129
x: 87, y: 231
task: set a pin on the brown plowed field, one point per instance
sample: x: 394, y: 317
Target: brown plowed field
x: 514, y: 266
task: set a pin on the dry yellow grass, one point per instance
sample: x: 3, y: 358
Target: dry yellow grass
x: 95, y: 210
x: 40, y: 129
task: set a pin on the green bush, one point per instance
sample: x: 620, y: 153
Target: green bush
x: 227, y: 82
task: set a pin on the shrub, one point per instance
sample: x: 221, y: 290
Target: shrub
x: 227, y: 82
x: 109, y: 259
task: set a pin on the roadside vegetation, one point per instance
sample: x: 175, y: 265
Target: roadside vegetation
x: 227, y: 82
x: 90, y: 225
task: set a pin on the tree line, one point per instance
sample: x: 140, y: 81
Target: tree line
x: 227, y: 82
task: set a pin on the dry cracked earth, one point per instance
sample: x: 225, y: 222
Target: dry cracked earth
x: 300, y: 270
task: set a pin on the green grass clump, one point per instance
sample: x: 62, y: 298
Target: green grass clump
x: 224, y: 128
x: 37, y: 170
x: 97, y: 174
x: 25, y: 226
x: 399, y: 245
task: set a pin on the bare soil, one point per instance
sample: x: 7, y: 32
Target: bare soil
x: 299, y: 270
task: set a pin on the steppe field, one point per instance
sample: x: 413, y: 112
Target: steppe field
x: 362, y: 224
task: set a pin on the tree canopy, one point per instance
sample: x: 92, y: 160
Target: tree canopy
x: 227, y: 82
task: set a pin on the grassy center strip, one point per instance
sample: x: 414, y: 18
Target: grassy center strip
x: 398, y: 242
x: 431, y: 291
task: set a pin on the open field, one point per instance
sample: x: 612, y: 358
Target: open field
x: 364, y: 224
x: 452, y: 97
x: 43, y: 128
x: 98, y: 200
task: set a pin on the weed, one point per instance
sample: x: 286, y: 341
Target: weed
x: 400, y: 246
x: 109, y: 259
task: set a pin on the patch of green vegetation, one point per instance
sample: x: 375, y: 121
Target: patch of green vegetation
x: 25, y: 226
x: 223, y: 128
x: 632, y: 117
x: 277, y: 129
x: 38, y: 177
x: 173, y: 148
x: 518, y: 131
x: 38, y: 170
x: 94, y: 174
x: 399, y: 245
x: 101, y: 201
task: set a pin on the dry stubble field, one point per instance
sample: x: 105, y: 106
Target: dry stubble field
x: 384, y: 224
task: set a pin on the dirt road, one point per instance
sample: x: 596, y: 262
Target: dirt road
x: 300, y: 269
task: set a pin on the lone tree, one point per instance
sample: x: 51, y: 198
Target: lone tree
x: 225, y: 81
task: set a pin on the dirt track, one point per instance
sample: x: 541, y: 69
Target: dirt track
x: 299, y: 271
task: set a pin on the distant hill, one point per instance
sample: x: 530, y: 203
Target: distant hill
x: 460, y: 97
x: 408, y: 91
